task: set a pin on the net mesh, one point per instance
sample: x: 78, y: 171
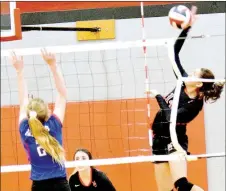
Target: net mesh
x: 106, y: 109
x: 105, y: 94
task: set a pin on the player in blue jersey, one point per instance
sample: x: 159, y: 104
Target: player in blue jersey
x: 41, y: 131
x: 192, y: 97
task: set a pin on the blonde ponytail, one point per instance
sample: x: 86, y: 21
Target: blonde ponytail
x: 45, y: 140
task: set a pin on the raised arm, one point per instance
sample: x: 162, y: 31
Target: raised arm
x: 18, y: 64
x: 60, y: 105
x: 177, y: 48
x: 179, y: 44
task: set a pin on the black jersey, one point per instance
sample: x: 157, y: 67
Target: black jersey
x: 188, y: 108
x: 99, y: 182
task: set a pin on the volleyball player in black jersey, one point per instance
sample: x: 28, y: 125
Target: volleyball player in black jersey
x: 88, y: 178
x: 193, y: 94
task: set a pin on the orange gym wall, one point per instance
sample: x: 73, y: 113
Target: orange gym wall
x: 103, y: 128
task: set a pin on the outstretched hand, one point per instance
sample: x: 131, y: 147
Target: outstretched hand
x: 194, y: 17
x: 49, y: 58
x: 17, y: 62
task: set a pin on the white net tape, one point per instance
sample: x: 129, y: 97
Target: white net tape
x: 94, y: 47
x: 115, y: 161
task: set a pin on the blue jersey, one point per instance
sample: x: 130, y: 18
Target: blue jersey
x: 42, y: 164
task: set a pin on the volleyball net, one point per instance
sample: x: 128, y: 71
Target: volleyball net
x: 106, y: 110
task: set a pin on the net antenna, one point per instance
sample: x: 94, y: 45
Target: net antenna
x: 180, y: 80
x: 147, y: 86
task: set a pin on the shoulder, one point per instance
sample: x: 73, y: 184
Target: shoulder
x: 194, y: 105
x: 23, y: 125
x: 74, y: 177
x: 199, y: 103
x: 25, y: 132
x: 53, y: 123
x: 99, y: 174
x: 54, y: 118
x: 104, y: 181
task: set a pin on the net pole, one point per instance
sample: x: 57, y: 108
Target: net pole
x: 147, y: 88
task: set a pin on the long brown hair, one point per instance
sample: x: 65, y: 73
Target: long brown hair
x: 37, y: 112
x: 210, y: 90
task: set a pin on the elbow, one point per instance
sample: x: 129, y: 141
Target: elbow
x: 184, y: 120
x: 24, y: 102
x: 64, y: 93
x: 175, y: 47
x: 176, y: 51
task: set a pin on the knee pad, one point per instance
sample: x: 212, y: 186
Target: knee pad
x: 182, y: 184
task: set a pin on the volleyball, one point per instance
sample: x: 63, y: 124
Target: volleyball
x: 180, y: 17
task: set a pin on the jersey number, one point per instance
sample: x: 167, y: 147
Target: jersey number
x: 41, y: 151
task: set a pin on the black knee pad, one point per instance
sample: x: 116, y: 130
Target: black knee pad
x: 182, y: 184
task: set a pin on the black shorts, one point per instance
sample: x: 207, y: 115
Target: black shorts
x: 163, y: 145
x: 55, y: 184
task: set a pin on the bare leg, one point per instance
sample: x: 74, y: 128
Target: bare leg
x: 178, y: 170
x: 163, y: 177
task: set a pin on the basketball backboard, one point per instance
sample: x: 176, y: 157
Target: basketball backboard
x: 10, y: 22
